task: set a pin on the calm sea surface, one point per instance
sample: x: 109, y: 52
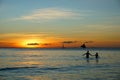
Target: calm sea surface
x: 59, y: 64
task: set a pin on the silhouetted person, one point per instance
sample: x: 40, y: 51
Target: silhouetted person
x: 96, y: 55
x: 87, y: 54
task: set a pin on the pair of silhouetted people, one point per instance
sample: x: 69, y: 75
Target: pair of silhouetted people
x: 87, y: 54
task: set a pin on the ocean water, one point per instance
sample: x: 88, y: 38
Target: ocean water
x: 59, y: 64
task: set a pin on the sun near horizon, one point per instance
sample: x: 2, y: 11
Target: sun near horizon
x: 30, y: 43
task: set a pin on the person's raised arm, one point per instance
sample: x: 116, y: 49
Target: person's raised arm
x: 92, y: 55
x: 84, y: 54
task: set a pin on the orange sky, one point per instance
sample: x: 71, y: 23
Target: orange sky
x: 46, y: 41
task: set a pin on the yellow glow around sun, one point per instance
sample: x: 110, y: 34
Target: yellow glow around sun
x: 31, y: 43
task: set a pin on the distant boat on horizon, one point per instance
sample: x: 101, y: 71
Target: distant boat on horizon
x: 83, y: 45
x: 63, y: 46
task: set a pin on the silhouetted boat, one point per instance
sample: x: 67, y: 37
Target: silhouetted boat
x: 83, y: 46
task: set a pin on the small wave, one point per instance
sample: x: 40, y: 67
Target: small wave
x: 50, y: 68
x: 65, y: 68
x: 14, y: 68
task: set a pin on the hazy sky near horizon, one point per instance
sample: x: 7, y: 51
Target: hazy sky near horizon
x: 60, y: 20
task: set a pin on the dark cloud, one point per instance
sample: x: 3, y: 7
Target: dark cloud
x: 69, y: 42
x: 89, y: 42
x: 33, y: 44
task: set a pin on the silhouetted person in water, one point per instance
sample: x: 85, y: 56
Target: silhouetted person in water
x: 96, y: 55
x: 87, y: 54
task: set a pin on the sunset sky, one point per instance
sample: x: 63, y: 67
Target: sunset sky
x: 49, y: 23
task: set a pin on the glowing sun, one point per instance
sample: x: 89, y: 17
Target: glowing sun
x: 31, y: 43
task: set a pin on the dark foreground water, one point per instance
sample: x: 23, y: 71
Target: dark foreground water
x: 59, y: 64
